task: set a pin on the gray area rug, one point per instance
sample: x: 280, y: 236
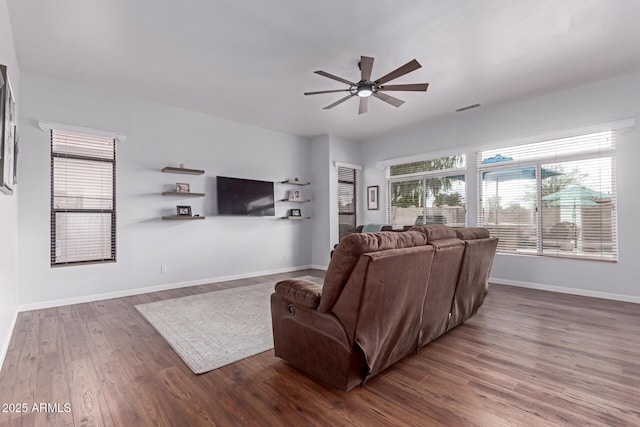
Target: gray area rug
x: 217, y: 328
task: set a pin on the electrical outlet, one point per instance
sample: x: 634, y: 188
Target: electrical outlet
x: 163, y: 269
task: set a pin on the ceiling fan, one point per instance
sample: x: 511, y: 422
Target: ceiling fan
x: 376, y: 88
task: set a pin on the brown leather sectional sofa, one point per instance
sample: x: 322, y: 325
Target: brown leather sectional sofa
x: 385, y: 296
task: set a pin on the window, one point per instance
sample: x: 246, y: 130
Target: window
x: 83, y: 214
x: 347, y: 190
x: 427, y: 192
x: 552, y: 198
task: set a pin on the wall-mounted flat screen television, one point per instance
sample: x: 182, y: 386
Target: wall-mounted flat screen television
x: 246, y: 197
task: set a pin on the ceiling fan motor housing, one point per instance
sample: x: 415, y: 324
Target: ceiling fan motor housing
x: 365, y: 88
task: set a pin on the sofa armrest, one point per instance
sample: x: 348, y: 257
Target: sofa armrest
x: 302, y: 292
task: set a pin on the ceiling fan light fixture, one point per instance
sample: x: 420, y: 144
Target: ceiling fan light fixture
x: 364, y: 90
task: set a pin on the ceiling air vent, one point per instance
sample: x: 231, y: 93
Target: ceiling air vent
x: 468, y: 107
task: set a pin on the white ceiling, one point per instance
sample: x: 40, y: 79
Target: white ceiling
x: 251, y: 60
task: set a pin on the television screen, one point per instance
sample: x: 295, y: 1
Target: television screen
x: 247, y: 197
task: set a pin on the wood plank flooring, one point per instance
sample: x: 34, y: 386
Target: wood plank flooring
x: 528, y: 358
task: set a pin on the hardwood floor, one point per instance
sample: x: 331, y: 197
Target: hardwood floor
x: 528, y: 358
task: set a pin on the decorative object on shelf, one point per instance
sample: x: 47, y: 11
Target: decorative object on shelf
x: 7, y: 133
x: 184, y: 210
x: 295, y: 195
x: 372, y: 198
x: 181, y: 165
x: 183, y: 187
x: 295, y: 212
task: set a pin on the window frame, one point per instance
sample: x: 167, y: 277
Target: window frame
x: 54, y: 211
x: 424, y: 176
x: 354, y: 185
x: 538, y: 161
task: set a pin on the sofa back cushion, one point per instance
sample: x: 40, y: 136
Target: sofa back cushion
x: 471, y: 233
x: 348, y: 252
x: 435, y: 231
x: 381, y: 303
x: 443, y: 278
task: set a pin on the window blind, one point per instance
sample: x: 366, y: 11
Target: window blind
x: 347, y: 200
x: 83, y: 215
x: 552, y: 198
x: 431, y: 191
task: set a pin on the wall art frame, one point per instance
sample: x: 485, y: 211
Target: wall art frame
x: 8, y: 131
x: 373, y: 198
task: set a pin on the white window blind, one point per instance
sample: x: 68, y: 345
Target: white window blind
x: 552, y: 198
x: 347, y: 200
x: 83, y: 215
x: 430, y: 191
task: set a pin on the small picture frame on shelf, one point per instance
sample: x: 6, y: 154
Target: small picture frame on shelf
x: 184, y: 210
x: 295, y: 212
x: 295, y: 195
x: 372, y: 198
x: 182, y: 187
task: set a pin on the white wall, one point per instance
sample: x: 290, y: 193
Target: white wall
x: 325, y: 151
x: 157, y: 136
x: 603, y: 101
x: 344, y: 151
x: 8, y: 204
x: 320, y: 176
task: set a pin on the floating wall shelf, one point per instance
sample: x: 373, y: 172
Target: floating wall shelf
x: 292, y: 182
x: 294, y: 201
x: 182, y: 193
x: 171, y: 169
x: 181, y: 218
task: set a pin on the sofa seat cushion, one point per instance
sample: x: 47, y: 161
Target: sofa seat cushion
x: 302, y: 292
x: 348, y: 252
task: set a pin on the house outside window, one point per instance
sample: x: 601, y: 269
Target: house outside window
x: 552, y: 198
x: 83, y: 210
x: 428, y: 191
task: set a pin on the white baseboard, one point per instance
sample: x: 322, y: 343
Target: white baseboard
x: 319, y: 267
x: 5, y: 345
x: 563, y: 290
x: 164, y: 287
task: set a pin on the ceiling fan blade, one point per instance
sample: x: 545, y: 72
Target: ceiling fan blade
x: 398, y: 72
x: 388, y: 99
x: 331, y: 76
x: 326, y: 91
x: 340, y: 101
x: 364, y: 105
x: 409, y: 87
x: 366, y: 65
